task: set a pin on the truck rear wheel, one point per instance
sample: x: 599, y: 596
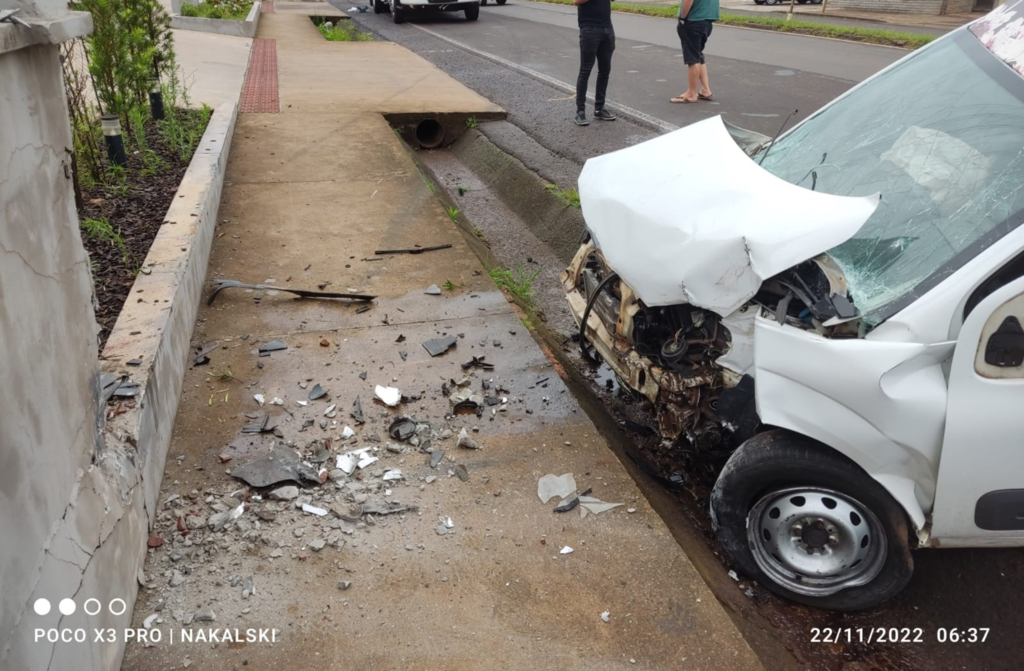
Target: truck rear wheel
x: 809, y: 524
x: 473, y: 12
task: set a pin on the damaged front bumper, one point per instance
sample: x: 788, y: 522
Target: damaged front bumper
x: 666, y: 355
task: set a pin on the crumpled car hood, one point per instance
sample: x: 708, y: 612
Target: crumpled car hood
x: 689, y: 218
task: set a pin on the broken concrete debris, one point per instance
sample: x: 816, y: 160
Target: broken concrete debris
x: 566, y: 550
x: 280, y: 465
x: 435, y: 458
x: 433, y: 290
x: 218, y: 520
x: 467, y: 442
x: 438, y: 346
x: 317, y: 392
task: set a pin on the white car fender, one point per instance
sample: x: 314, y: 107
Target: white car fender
x: 882, y: 404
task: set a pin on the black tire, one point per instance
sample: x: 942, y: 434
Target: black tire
x: 770, y: 2
x: 472, y: 12
x: 758, y: 2
x: 379, y: 7
x: 483, y: 2
x: 397, y: 13
x: 802, y: 2
x: 778, y: 459
x: 501, y: 2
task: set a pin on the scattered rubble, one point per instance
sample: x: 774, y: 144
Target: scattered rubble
x: 433, y: 290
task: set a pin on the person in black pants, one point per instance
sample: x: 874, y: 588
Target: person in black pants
x: 597, y: 42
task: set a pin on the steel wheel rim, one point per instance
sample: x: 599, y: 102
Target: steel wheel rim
x: 815, y: 541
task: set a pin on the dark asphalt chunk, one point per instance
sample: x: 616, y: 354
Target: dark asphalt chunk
x: 438, y: 346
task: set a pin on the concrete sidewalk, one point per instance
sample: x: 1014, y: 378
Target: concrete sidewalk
x: 311, y: 194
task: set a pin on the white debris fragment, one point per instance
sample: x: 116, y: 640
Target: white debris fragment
x: 606, y: 616
x: 566, y: 550
x: 303, y: 403
x: 347, y: 463
x: 393, y: 474
x: 447, y: 522
x: 347, y: 432
x: 276, y: 401
x: 259, y: 399
x: 588, y: 504
x: 732, y: 574
x: 550, y: 486
x: 366, y: 460
x: 150, y: 621
x: 313, y: 510
x: 389, y: 395
x: 331, y: 408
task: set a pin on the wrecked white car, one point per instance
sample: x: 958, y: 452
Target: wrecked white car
x: 845, y: 305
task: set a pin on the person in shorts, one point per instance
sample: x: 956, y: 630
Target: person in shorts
x: 695, y: 20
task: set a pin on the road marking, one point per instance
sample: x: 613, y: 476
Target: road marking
x: 626, y: 111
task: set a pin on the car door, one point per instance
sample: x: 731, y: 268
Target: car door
x: 980, y: 492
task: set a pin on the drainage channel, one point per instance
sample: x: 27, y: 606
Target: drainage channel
x: 434, y: 130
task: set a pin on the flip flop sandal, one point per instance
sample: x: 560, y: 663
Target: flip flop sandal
x: 704, y: 97
x: 681, y: 100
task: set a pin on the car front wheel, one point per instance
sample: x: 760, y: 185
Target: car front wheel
x: 397, y: 13
x: 809, y: 524
x: 472, y: 12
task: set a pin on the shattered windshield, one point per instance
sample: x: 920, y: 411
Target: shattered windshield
x: 941, y: 136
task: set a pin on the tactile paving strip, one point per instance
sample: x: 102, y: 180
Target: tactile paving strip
x: 260, y: 95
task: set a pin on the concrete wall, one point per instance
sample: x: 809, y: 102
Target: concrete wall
x: 240, y: 28
x: 72, y: 520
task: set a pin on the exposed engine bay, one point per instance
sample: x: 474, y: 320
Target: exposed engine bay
x: 669, y: 356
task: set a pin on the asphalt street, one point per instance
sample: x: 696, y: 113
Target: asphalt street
x: 758, y: 77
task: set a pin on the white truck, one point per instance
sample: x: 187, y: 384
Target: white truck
x: 842, y: 307
x: 400, y: 9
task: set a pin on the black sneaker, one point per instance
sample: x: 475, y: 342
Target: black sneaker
x: 604, y: 115
x: 581, y: 118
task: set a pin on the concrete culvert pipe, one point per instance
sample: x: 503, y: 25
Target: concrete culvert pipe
x: 429, y: 134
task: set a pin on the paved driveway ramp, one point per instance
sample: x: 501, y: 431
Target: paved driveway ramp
x: 399, y: 564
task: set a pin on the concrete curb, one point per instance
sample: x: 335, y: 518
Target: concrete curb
x: 155, y: 325
x: 244, y: 28
x: 558, y: 225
